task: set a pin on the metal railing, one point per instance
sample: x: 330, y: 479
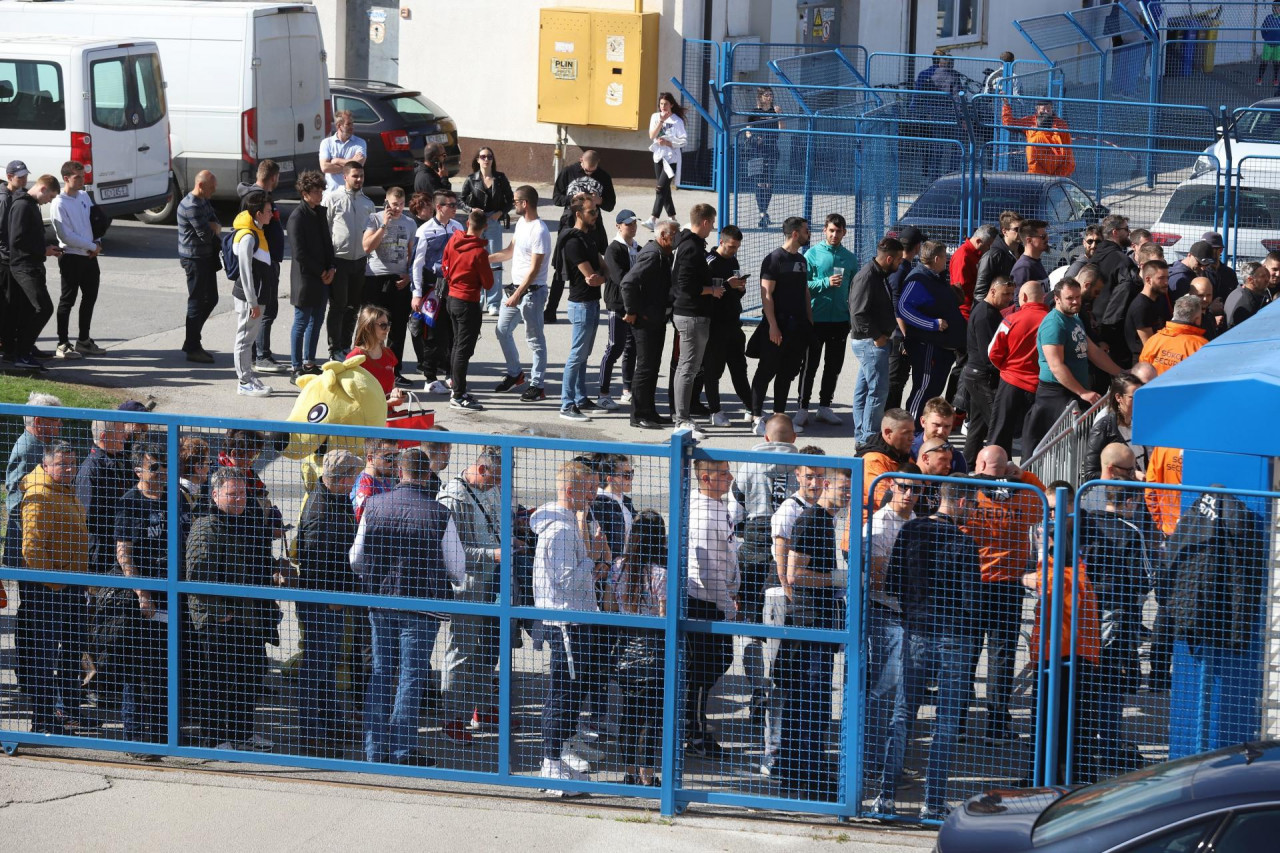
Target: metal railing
x: 1060, y: 454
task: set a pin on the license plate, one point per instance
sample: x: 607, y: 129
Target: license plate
x: 436, y: 137
x: 286, y: 166
x: 118, y: 191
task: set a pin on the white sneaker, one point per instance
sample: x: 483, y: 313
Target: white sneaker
x: 964, y: 427
x: 758, y: 429
x: 226, y: 745
x: 801, y: 418
x: 559, y: 770
x: 694, y: 433
x: 252, y: 389
x: 492, y: 310
x: 606, y: 402
x: 435, y: 386
x: 826, y: 416
x: 625, y: 398
x: 650, y: 223
x: 719, y: 419
x: 578, y: 767
x: 261, y: 743
x: 68, y: 352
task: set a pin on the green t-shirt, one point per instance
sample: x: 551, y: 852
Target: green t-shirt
x: 1068, y: 332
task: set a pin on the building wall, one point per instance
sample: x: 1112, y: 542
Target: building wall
x: 997, y: 33
x: 332, y: 15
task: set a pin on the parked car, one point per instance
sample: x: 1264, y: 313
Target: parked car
x: 1226, y: 801
x: 1254, y: 133
x: 246, y: 82
x: 398, y: 124
x: 1061, y: 202
x: 1192, y: 210
x: 96, y: 100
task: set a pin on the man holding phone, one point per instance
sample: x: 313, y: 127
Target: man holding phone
x: 831, y: 268
x: 726, y: 344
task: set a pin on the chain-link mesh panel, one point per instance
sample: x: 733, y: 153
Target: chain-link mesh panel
x: 750, y: 62
x: 1254, y: 193
x: 700, y: 70
x: 765, y: 715
x: 1174, y: 625
x: 1215, y: 53
x: 949, y: 74
x: 951, y: 702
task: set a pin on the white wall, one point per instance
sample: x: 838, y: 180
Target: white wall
x: 333, y: 16
x: 998, y: 33
x: 478, y: 59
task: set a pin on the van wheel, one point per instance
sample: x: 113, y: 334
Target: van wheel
x: 165, y: 213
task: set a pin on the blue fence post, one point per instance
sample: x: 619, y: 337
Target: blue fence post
x: 673, y: 695
x: 173, y: 498
x: 1054, y: 670
x: 855, y: 682
x: 506, y: 589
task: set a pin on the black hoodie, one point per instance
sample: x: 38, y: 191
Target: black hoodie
x: 689, y: 276
x: 1120, y: 283
x: 26, y: 233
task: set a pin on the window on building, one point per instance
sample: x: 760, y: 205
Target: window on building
x: 959, y: 20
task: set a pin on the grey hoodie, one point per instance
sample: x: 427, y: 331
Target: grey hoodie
x: 563, y: 572
x: 477, y: 515
x: 761, y: 487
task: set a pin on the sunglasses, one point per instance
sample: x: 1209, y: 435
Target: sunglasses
x: 388, y: 457
x: 904, y: 487
x: 154, y: 468
x: 447, y: 204
x: 383, y: 325
x: 484, y: 156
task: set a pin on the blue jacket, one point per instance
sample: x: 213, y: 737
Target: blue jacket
x: 196, y: 239
x: 1270, y: 29
x: 934, y: 572
x: 926, y: 298
x: 399, y: 549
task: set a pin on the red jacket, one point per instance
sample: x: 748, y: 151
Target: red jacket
x: 964, y: 273
x: 466, y: 266
x: 1013, y: 349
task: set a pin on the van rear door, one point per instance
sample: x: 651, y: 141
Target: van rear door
x: 289, y: 89
x: 128, y: 123
x: 310, y: 86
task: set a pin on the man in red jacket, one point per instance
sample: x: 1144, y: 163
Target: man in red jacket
x: 1013, y: 353
x: 466, y: 269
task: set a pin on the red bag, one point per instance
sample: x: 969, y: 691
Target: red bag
x: 414, y: 416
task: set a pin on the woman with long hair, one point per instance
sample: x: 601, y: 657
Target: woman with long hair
x: 762, y: 151
x: 488, y: 190
x: 373, y: 325
x: 666, y: 129
x: 1113, y: 426
x: 638, y: 587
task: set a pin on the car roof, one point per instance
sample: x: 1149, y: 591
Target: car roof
x: 1266, y: 104
x: 356, y: 84
x: 1241, y: 770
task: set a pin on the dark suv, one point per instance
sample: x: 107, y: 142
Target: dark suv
x: 397, y: 124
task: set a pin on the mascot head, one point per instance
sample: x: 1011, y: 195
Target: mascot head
x: 343, y: 393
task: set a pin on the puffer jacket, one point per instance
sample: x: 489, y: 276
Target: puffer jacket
x: 55, y: 535
x: 399, y: 547
x: 1047, y: 151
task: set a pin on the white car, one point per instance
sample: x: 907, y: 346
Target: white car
x: 1253, y: 226
x: 1255, y: 140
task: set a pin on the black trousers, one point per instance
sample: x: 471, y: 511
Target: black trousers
x: 930, y: 366
x: 1010, y: 410
x: 709, y: 657
x: 381, y: 290
x: 51, y: 628
x: 434, y: 344
x: 980, y: 389
x: 955, y: 392
x: 899, y: 372
x: 999, y: 619
x: 233, y: 666
x: 827, y: 344
x: 6, y: 315
x: 346, y: 294
x: 622, y: 345
x: 202, y: 297
x: 662, y: 199
x: 29, y: 300
x: 779, y: 364
x: 650, y: 338
x: 466, y: 317
x: 726, y: 348
x: 1051, y: 400
x: 270, y: 300
x: 80, y: 275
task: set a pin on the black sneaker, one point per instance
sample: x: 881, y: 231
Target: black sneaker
x: 267, y: 364
x: 509, y: 382
x: 589, y: 406
x: 697, y: 410
x: 199, y: 356
x: 401, y: 382
x: 533, y: 394
x: 466, y: 403
x: 42, y: 354
x: 312, y: 368
x: 26, y: 362
x: 573, y: 413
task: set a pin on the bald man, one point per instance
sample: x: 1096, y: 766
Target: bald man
x: 1143, y: 371
x: 198, y: 245
x: 1013, y: 353
x: 1212, y: 320
x: 934, y: 459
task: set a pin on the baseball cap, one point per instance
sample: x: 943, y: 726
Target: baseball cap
x: 17, y: 169
x: 911, y: 236
x: 626, y: 217
x: 1213, y: 238
x: 131, y: 406
x: 1202, y: 252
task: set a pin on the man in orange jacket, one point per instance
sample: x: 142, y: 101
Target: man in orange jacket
x: 1047, y: 140
x: 1179, y: 339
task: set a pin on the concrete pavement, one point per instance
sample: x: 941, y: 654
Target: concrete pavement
x: 49, y: 804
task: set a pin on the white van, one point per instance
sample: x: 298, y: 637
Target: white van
x: 246, y: 81
x: 101, y: 102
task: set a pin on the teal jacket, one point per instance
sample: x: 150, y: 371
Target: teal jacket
x: 830, y: 304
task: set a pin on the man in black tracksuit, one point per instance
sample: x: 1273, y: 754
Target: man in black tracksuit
x: 980, y: 377
x: 29, y: 302
x: 646, y: 298
x: 618, y: 258
x: 899, y: 367
x: 1120, y: 283
x: 999, y: 259
x: 15, y: 182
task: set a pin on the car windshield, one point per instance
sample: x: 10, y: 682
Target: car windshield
x: 1256, y: 207
x: 1133, y: 793
x: 1258, y: 126
x: 414, y: 109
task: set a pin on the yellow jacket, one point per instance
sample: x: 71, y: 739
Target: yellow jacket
x: 55, y: 537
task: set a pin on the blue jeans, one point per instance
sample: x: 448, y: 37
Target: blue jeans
x: 402, y: 643
x: 319, y: 711
x: 308, y: 323
x: 870, y: 389
x: 529, y: 311
x: 945, y: 658
x: 494, y: 296
x: 885, y: 697
x: 585, y: 317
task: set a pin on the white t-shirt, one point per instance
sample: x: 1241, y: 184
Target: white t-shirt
x: 531, y: 238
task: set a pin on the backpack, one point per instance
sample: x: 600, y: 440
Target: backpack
x: 230, y: 262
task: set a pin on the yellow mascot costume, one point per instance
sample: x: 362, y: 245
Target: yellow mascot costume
x: 343, y: 393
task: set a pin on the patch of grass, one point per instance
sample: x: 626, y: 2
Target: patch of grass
x: 16, y: 389
x: 646, y: 818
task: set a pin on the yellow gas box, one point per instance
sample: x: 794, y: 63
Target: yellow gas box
x: 598, y: 68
